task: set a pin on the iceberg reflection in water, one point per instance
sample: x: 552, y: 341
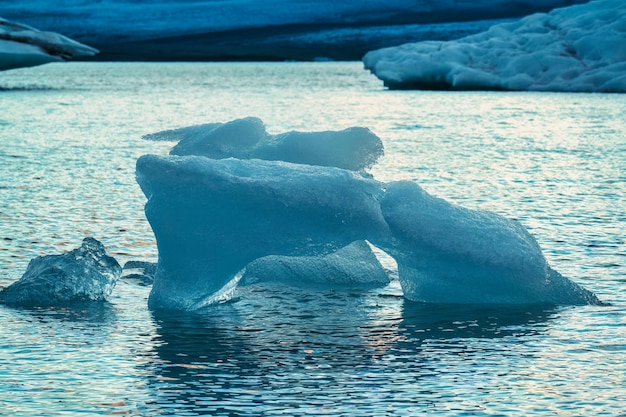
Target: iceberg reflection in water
x: 287, y: 350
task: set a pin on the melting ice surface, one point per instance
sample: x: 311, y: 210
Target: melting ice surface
x: 576, y: 48
x: 213, y: 217
x: 83, y: 274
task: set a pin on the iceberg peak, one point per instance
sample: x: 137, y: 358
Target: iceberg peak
x: 355, y: 148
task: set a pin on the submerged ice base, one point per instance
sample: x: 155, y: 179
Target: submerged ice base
x: 214, y: 217
x: 355, y: 265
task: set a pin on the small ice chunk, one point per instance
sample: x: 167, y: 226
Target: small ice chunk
x: 83, y: 274
x: 140, y: 272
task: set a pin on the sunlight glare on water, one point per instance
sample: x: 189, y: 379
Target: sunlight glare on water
x: 70, y: 135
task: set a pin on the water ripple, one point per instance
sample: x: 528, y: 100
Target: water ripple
x: 555, y: 162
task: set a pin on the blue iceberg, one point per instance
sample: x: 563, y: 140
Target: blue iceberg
x: 214, y: 218
x: 450, y: 254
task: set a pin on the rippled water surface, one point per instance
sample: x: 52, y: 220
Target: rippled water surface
x: 69, y: 138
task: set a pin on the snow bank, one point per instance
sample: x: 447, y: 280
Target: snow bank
x: 580, y: 48
x: 296, y: 223
x: 83, y: 274
x: 24, y: 46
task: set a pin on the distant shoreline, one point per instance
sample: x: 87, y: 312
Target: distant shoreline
x: 300, y: 42
x: 159, y: 32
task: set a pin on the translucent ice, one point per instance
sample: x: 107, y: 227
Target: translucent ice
x: 576, y: 48
x: 140, y: 272
x: 355, y: 148
x: 83, y: 274
x: 308, y: 223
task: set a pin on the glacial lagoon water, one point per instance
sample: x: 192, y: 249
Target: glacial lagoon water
x: 69, y: 138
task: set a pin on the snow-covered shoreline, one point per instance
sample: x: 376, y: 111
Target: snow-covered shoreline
x: 273, y: 30
x: 579, y: 48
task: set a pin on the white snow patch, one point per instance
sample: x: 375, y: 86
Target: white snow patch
x: 579, y: 48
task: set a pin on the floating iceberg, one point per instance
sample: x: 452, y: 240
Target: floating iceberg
x: 285, y: 221
x: 83, y: 274
x: 579, y: 48
x: 140, y: 272
x: 24, y: 46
